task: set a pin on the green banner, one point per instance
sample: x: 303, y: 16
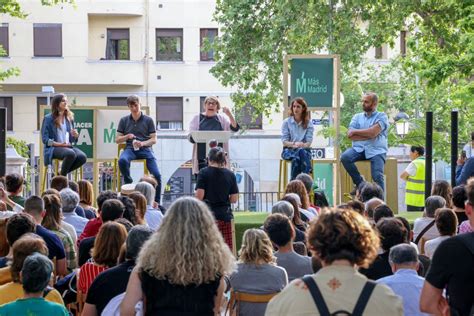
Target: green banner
x: 322, y: 175
x: 312, y: 79
x: 84, y: 124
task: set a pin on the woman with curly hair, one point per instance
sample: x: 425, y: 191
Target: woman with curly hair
x: 257, y: 272
x: 180, y: 269
x: 297, y: 187
x: 344, y: 241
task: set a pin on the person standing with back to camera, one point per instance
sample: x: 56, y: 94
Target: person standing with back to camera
x: 217, y: 186
x: 297, y: 135
x: 58, y: 134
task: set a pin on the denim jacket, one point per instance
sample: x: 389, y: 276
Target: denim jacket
x: 49, y: 135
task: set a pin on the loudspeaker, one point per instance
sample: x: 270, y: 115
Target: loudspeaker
x: 3, y: 137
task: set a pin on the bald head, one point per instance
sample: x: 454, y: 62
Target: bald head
x: 371, y: 204
x: 369, y: 102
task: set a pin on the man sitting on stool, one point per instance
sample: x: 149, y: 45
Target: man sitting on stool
x: 368, y: 132
x: 139, y: 131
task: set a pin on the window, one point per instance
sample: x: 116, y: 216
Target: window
x: 403, y: 43
x: 7, y: 102
x: 378, y: 52
x: 169, y: 44
x: 210, y: 35
x: 117, y: 101
x: 4, y: 38
x: 47, y: 40
x: 169, y: 113
x: 246, y: 119
x: 118, y: 44
x: 39, y: 101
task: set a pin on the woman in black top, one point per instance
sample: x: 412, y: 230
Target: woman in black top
x: 181, y: 267
x: 217, y: 186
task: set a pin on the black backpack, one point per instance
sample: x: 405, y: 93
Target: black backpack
x: 323, y: 308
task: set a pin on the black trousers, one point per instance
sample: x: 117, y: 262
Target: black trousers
x: 72, y: 158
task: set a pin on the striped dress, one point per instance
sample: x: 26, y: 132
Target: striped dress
x: 88, y: 272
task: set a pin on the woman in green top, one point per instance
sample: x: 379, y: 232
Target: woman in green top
x: 35, y: 276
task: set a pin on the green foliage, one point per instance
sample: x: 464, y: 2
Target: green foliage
x: 20, y: 146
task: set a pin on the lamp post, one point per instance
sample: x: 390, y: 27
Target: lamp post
x: 48, y: 90
x: 402, y: 126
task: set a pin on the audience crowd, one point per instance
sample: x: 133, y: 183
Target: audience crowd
x: 123, y: 254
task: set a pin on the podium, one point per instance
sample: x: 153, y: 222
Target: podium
x: 203, y: 137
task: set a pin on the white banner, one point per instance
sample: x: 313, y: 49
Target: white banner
x: 107, y: 123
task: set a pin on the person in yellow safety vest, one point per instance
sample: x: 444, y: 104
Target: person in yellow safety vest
x: 414, y: 175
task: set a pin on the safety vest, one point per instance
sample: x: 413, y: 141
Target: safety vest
x: 415, y: 189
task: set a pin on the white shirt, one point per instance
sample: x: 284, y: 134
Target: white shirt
x: 7, y: 214
x: 469, y: 150
x: 411, y: 169
x: 153, y: 217
x: 431, y: 245
x: 420, y: 224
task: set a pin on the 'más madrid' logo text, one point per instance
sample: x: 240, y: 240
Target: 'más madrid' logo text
x: 309, y: 85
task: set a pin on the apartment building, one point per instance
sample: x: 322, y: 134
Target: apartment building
x: 100, y: 51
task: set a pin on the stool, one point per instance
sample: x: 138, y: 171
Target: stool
x: 116, y: 171
x: 283, y: 176
x: 78, y: 173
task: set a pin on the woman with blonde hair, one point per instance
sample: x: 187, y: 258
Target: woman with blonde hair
x: 140, y: 207
x: 86, y: 196
x: 210, y: 120
x: 105, y: 254
x: 180, y: 269
x: 343, y: 240
x: 257, y: 272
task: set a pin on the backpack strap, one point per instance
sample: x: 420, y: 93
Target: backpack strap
x: 364, y: 298
x: 317, y: 296
x: 427, y: 227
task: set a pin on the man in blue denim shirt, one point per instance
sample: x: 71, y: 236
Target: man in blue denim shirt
x: 368, y: 132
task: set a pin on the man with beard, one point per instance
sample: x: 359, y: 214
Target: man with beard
x: 368, y: 132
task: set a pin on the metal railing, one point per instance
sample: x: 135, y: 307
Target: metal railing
x: 248, y: 201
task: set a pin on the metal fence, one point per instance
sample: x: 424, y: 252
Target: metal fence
x: 248, y: 201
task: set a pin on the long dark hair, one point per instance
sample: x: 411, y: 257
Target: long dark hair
x: 306, y: 115
x: 55, y: 101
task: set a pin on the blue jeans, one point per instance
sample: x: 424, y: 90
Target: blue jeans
x: 377, y: 163
x: 300, y: 160
x: 143, y: 153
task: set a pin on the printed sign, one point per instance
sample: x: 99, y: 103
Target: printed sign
x: 312, y: 79
x: 107, y: 123
x: 322, y: 175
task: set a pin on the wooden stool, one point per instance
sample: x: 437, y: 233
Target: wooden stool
x: 236, y: 298
x: 117, y: 181
x: 78, y: 173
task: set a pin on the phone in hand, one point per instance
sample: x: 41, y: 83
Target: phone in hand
x: 463, y: 154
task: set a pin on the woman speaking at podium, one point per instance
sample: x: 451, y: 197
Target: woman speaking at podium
x: 58, y: 135
x: 297, y: 136
x: 210, y: 120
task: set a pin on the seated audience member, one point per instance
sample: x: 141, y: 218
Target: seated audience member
x: 93, y: 226
x: 343, y: 240
x: 443, y: 188
x: 6, y: 202
x: 392, y: 232
x: 111, y: 210
x: 297, y: 187
x: 459, y: 200
x: 35, y: 276
x: 59, y: 182
x: 452, y: 269
x: 69, y: 202
x: 308, y: 185
x: 52, y: 221
x: 370, y: 206
x: 25, y: 246
x: 153, y: 216
x: 139, y: 201
x: 257, y: 272
x: 405, y: 282
x: 369, y: 191
x: 113, y: 282
x: 86, y: 198
x: 299, y: 219
x: 447, y: 224
x: 467, y: 226
x: 357, y: 206
x: 50, y: 191
x: 409, y: 235
x: 320, y: 199
x: 281, y: 233
x: 14, y: 187
x: 129, y: 209
x: 4, y: 247
x: 17, y: 225
x: 180, y: 270
x: 425, y: 227
x: 105, y: 254
x: 34, y: 206
x: 464, y: 169
x: 382, y: 211
x: 285, y: 208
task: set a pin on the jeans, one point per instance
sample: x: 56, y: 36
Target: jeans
x: 300, y: 160
x: 128, y: 155
x: 377, y: 163
x: 72, y: 158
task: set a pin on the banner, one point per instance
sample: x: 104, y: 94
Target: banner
x: 107, y: 123
x: 323, y: 177
x: 312, y: 79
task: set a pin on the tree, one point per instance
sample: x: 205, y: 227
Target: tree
x: 13, y: 8
x: 257, y: 34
